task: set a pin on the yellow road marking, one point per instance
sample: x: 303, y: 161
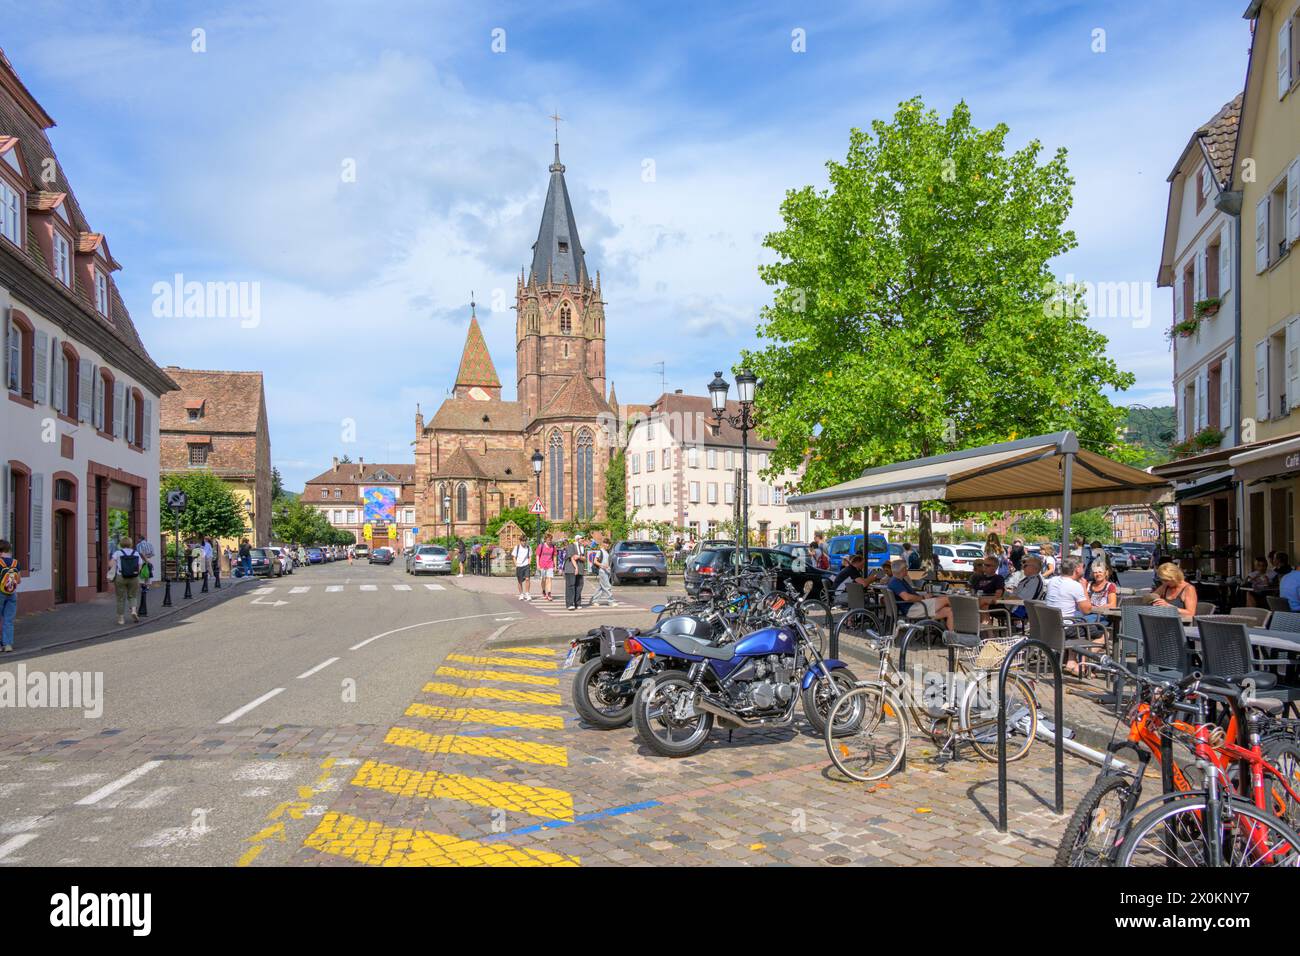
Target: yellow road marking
x: 296, y: 810
x: 477, y: 715
x: 377, y: 844
x: 504, y: 662
x: 546, y: 697
x: 502, y: 748
x: 543, y: 651
x: 537, y: 680
x: 480, y: 791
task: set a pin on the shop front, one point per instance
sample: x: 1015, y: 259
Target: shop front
x: 1270, y: 480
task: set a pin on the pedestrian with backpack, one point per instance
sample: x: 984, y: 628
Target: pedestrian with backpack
x: 10, y: 578
x: 124, y: 568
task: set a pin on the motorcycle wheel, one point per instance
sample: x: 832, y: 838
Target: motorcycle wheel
x: 651, y: 715
x: 818, y: 700
x: 591, y: 700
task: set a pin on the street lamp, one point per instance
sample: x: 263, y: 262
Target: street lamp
x: 446, y: 516
x: 746, y: 383
x: 537, y: 460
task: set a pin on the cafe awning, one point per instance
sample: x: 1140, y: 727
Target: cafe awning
x: 1046, y: 471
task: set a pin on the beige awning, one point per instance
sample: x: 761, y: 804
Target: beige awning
x: 1017, y: 475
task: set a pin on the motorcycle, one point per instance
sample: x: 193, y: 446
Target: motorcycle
x: 606, y: 682
x: 758, y: 681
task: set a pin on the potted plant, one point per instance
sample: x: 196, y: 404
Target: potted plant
x: 1206, y: 308
x: 1185, y: 328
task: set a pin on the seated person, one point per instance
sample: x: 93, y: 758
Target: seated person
x: 852, y: 570
x: 1066, y: 593
x: 1031, y: 587
x: 1101, y: 590
x: 1174, y: 591
x: 986, y: 583
x: 1289, y: 589
x: 917, y: 605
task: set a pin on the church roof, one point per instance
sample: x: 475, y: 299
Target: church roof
x: 468, y: 414
x: 558, y: 253
x: 499, y: 464
x: 476, y: 366
x: 577, y: 398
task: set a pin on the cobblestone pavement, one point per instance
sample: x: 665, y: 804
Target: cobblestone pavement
x: 490, y: 766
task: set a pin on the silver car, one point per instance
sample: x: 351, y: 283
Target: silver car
x: 428, y: 559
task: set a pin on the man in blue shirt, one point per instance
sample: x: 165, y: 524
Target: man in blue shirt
x: 1290, y: 589
x: 912, y: 603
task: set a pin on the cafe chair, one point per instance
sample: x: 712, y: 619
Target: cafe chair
x: 1047, y: 624
x: 1205, y: 607
x: 1225, y: 653
x: 1277, y: 603
x: 1164, y: 646
x: 1258, y: 615
x: 965, y: 622
x: 1288, y: 621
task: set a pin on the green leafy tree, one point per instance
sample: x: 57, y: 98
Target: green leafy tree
x: 211, y: 509
x: 1093, y: 525
x: 297, y: 523
x: 526, y: 520
x: 618, y: 522
x: 914, y: 309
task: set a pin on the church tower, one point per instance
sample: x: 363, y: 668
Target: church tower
x: 560, y: 322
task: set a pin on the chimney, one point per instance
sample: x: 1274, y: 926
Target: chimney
x: 336, y: 462
x: 677, y: 391
x: 361, y: 467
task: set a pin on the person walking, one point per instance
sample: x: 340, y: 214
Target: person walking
x: 574, y: 572
x: 460, y: 558
x: 245, y: 558
x: 146, y: 572
x: 207, y: 556
x: 125, y: 566
x: 598, y: 560
x: 10, y: 578
x: 523, y: 556
x: 546, y: 566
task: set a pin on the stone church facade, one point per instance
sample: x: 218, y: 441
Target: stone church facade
x: 476, y: 450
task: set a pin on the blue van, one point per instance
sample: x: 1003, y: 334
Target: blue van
x: 842, y: 545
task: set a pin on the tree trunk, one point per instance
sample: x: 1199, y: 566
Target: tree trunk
x: 926, y: 541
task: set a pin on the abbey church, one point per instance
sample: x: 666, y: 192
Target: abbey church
x: 476, y: 451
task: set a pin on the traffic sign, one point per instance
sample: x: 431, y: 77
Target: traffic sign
x: 176, y: 500
x: 537, y: 507
x: 415, y: 530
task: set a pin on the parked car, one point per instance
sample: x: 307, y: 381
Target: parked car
x: 287, y: 562
x: 380, y: 556
x: 800, y: 574
x: 1119, y: 558
x: 315, y: 556
x: 428, y: 559
x: 266, y: 563
x: 957, y: 557
x: 842, y: 545
x: 1139, y: 555
x: 638, y: 560
x: 706, y: 544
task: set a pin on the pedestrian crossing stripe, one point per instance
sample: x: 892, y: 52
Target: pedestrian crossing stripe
x: 478, y: 791
x: 263, y: 590
x: 435, y: 587
x: 300, y: 590
x: 377, y: 844
x: 540, y: 651
x: 537, y: 680
x: 545, y: 698
x: 369, y: 587
x: 494, y: 718
x: 499, y: 748
x: 333, y: 587
x: 401, y: 587
x: 504, y: 662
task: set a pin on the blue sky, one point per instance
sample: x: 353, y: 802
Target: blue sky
x: 227, y: 166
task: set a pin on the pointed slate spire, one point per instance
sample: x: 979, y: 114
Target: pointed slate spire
x: 557, y: 253
x: 476, y: 368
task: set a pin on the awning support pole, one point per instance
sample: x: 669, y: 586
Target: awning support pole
x: 1067, y: 487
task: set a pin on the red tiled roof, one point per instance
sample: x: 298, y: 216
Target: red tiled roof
x: 231, y: 401
x: 577, y: 398
x: 497, y: 464
x: 1219, y: 137
x: 688, y: 417
x: 467, y: 414
x: 363, y: 473
x: 476, y: 366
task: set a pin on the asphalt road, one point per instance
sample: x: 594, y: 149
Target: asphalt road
x: 170, y: 772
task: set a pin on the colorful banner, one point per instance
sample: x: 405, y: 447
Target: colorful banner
x: 380, y: 505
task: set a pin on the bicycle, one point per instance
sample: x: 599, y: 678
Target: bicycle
x: 889, y: 711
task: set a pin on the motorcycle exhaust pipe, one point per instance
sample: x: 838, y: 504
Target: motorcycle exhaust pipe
x: 732, y: 718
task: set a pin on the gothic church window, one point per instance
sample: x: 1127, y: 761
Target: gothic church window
x: 566, y: 319
x: 462, y: 502
x: 556, y: 475
x: 584, y: 474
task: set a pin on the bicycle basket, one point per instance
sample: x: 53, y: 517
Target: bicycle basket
x: 990, y: 654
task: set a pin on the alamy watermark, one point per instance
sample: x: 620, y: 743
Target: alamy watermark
x: 53, y: 689
x: 208, y: 300
x: 1126, y: 301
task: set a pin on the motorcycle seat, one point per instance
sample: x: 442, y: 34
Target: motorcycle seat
x: 696, y: 647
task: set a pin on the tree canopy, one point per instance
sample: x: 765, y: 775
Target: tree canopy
x: 212, y: 509
x: 915, y: 310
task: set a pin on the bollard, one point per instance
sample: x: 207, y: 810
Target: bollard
x: 187, y: 595
x: 167, y: 592
x: 204, y: 589
x: 216, y: 577
x: 1058, y: 720
x: 144, y: 603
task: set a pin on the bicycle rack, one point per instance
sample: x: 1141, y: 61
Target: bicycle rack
x: 1058, y: 718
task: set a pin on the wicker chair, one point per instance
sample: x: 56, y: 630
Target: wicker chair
x: 1047, y: 624
x: 1285, y: 621
x: 1164, y: 646
x: 1225, y: 652
x: 1258, y: 615
x: 1277, y: 603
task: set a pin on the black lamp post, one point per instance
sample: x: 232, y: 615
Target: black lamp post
x: 537, y: 460
x: 746, y: 383
x: 446, y: 516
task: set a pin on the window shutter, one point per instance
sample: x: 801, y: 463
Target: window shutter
x: 1178, y: 301
x: 119, y: 402
x: 40, y: 366
x: 1261, y: 380
x: 12, y: 355
x: 85, y: 390
x: 1292, y: 359
x: 6, y: 527
x: 1284, y: 59
x: 1225, y: 260
x: 1226, y: 414
x: 128, y: 417
x: 1261, y: 235
x: 1293, y: 201
x: 37, y: 524
x: 1202, y: 400
x: 1198, y: 272
x: 145, y: 439
x: 97, y: 385
x: 56, y: 375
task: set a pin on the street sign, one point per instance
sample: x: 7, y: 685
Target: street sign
x: 415, y: 530
x: 537, y: 507
x: 176, y: 500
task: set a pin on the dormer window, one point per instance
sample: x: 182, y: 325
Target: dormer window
x: 564, y: 246
x: 11, y: 219
x: 194, y: 409
x: 62, y: 259
x: 101, y: 293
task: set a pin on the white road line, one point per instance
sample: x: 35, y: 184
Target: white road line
x: 435, y: 587
x: 16, y: 843
x: 331, y: 588
x: 370, y: 587
x: 263, y: 590
x: 300, y: 590
x: 319, y: 667
x: 401, y: 587
x: 118, y: 784
x: 445, y: 620
x: 497, y: 633
x: 236, y: 714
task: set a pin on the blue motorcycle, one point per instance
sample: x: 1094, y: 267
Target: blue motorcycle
x: 758, y: 681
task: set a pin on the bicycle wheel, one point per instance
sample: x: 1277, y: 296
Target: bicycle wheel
x: 817, y: 619
x: 979, y: 716
x: 876, y: 748
x: 1175, y: 834
x: 854, y: 623
x: 1093, y: 833
x: 1284, y: 754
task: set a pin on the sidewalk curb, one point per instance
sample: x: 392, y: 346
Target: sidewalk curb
x: 161, y: 614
